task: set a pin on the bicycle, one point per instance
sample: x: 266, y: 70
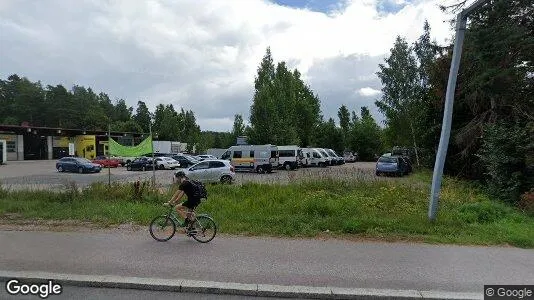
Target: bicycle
x: 197, y: 229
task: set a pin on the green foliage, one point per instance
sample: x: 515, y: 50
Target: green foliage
x: 55, y: 106
x: 329, y: 136
x: 395, y: 209
x: 238, y: 128
x: 284, y: 109
x: 482, y: 212
x: 503, y: 156
x: 366, y: 137
x: 142, y: 116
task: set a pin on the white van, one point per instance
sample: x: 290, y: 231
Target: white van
x: 330, y: 160
x: 289, y: 157
x: 258, y: 158
x: 313, y: 157
x: 337, y: 159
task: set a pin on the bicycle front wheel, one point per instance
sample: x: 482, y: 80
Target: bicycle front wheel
x: 203, y: 229
x: 162, y: 228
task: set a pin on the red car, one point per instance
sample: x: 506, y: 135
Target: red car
x: 106, y: 162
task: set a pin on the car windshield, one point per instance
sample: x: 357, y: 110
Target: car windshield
x: 386, y: 159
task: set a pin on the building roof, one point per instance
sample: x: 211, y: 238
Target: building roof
x: 56, y: 131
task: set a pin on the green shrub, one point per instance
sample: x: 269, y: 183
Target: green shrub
x: 482, y: 212
x: 503, y: 155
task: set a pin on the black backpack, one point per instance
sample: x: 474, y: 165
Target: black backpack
x: 200, y: 191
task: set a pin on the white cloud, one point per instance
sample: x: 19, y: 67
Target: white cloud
x: 203, y: 55
x: 368, y: 92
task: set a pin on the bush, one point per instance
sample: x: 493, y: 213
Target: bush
x: 482, y: 212
x: 526, y: 203
x: 503, y: 155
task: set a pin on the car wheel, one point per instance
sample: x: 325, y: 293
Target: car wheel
x: 161, y: 167
x: 287, y: 166
x: 226, y: 179
x: 80, y: 170
x: 260, y: 170
x: 128, y: 168
x: 377, y: 173
x: 60, y: 169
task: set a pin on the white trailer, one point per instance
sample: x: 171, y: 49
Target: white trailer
x: 162, y: 146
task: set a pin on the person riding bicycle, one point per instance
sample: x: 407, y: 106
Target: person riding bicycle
x: 187, y: 188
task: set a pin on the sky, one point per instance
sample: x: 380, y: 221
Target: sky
x: 203, y: 55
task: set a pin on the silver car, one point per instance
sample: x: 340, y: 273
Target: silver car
x: 203, y: 157
x: 213, y: 170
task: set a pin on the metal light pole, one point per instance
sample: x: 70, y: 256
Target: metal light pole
x: 461, y: 23
x: 153, y: 159
x: 108, y: 156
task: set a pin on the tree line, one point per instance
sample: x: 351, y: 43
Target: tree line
x: 492, y: 137
x: 22, y: 100
x: 286, y: 111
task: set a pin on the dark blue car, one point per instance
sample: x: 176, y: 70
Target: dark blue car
x: 392, y: 165
x: 140, y: 164
x: 77, y: 164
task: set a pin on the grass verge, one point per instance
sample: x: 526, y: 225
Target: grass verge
x: 386, y: 209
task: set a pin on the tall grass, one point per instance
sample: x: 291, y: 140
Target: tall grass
x: 385, y: 209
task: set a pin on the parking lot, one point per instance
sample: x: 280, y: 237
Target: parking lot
x: 43, y: 175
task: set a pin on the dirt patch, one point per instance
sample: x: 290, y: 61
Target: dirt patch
x: 15, y: 222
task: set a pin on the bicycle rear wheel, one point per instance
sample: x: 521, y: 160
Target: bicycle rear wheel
x: 162, y: 228
x: 203, y: 229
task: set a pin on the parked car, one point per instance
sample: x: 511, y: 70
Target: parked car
x: 211, y: 171
x: 349, y: 157
x: 185, y: 160
x: 408, y: 162
x: 204, y: 157
x: 392, y: 165
x: 106, y: 162
x: 77, y: 164
x: 140, y: 164
x: 168, y: 163
x: 123, y: 160
x: 159, y: 154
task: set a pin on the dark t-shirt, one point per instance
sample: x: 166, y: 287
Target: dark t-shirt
x: 189, y: 190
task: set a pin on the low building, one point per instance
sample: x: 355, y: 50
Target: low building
x: 42, y: 143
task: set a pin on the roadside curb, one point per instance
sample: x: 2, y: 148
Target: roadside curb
x: 229, y: 288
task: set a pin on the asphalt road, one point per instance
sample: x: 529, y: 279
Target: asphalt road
x: 318, y: 263
x: 75, y: 292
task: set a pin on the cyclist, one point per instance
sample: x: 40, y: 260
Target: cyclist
x: 185, y: 208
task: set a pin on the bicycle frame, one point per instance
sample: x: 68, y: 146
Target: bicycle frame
x: 174, y: 216
x: 178, y: 219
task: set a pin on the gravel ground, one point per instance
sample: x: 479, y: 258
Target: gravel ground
x: 43, y: 175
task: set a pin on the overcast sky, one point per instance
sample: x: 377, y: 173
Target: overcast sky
x: 203, y: 55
